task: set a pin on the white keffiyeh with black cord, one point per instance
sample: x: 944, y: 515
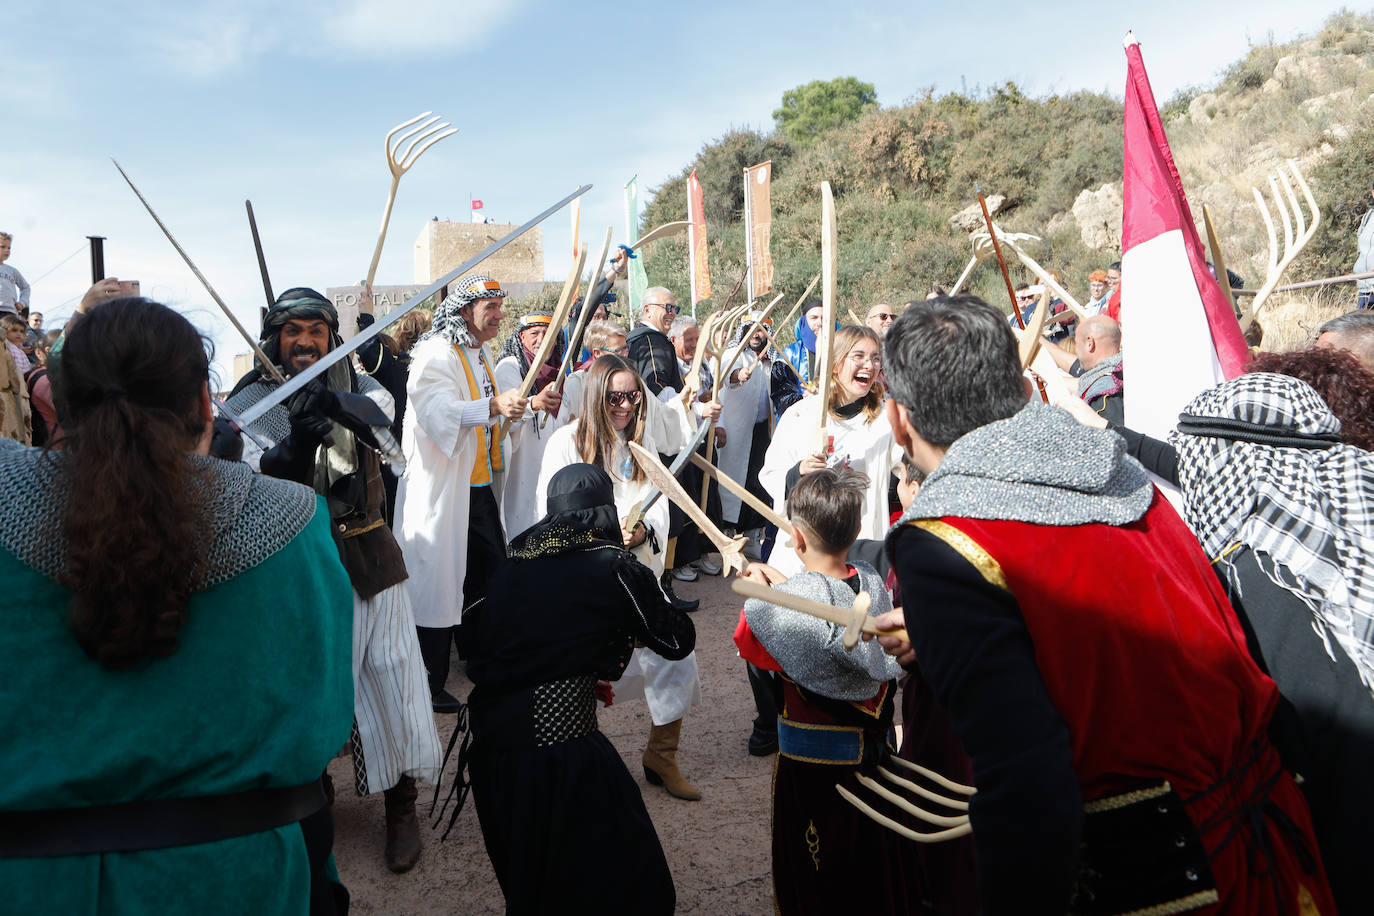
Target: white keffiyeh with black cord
x: 448, y: 323
x: 1261, y: 464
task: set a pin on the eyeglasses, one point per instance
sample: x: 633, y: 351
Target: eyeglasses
x: 884, y: 316
x: 670, y: 309
x: 859, y: 360
x: 623, y: 350
x: 617, y: 398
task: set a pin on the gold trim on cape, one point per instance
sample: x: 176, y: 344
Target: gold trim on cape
x: 966, y: 547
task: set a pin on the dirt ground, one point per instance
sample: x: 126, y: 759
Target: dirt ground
x: 718, y: 848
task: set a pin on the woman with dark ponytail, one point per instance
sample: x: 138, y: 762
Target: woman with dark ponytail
x: 176, y: 643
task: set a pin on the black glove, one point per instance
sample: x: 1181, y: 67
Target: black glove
x: 313, y: 410
x: 293, y: 458
x: 225, y: 441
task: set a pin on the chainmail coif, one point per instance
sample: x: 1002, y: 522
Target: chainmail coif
x: 1038, y: 466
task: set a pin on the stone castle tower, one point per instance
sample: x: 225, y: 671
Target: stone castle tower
x: 443, y: 245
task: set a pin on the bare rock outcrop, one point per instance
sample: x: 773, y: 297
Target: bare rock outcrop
x: 970, y: 219
x: 1098, y: 214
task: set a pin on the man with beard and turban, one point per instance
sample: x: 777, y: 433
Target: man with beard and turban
x: 530, y: 434
x: 394, y: 740
x: 759, y: 389
x: 448, y: 508
x: 564, y: 823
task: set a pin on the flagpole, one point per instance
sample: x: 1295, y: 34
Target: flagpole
x: 748, y: 236
x: 691, y: 252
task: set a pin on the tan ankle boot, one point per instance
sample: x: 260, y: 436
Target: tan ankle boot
x: 660, y: 762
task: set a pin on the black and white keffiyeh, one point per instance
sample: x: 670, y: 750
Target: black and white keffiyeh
x: 1261, y: 464
x: 748, y: 326
x: 514, y: 346
x: 450, y: 325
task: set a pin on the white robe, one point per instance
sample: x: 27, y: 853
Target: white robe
x: 391, y: 702
x: 671, y: 688
x: 868, y: 446
x: 525, y: 445
x: 739, y: 406
x: 433, y: 498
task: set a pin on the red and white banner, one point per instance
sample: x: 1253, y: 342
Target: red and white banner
x: 1179, y: 333
x: 696, y: 242
x: 758, y: 227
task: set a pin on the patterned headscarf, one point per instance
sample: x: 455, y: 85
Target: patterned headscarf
x: 748, y: 326
x: 1261, y: 464
x: 514, y: 346
x: 450, y: 325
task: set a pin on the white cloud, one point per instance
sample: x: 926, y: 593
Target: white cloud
x: 388, y: 27
x: 208, y: 40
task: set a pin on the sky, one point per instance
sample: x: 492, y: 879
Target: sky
x: 287, y: 104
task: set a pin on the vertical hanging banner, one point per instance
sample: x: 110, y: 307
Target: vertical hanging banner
x: 758, y: 215
x: 576, y: 210
x: 639, y: 281
x: 1184, y: 336
x: 696, y: 243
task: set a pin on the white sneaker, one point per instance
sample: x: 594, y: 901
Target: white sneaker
x: 709, y: 566
x: 685, y: 574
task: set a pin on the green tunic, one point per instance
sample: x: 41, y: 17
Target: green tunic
x: 258, y: 694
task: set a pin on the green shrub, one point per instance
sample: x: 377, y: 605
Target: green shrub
x: 1340, y: 182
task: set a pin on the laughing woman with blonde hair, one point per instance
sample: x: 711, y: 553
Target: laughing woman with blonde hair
x: 857, y: 436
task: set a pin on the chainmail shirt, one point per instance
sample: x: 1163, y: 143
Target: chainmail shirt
x: 1038, y: 466
x: 247, y: 517
x: 811, y: 650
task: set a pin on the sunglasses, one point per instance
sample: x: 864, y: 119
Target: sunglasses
x: 617, y: 398
x: 670, y: 309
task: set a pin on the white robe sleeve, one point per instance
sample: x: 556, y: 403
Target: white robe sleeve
x: 436, y: 389
x: 793, y: 439
x: 561, y: 452
x: 508, y: 377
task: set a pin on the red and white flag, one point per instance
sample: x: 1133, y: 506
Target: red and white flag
x: 1180, y: 335
x: 476, y: 205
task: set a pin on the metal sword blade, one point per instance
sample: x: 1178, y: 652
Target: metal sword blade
x: 297, y: 382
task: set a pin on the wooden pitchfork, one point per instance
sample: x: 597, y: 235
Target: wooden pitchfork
x: 856, y: 622
x: 1294, y: 238
x: 421, y: 138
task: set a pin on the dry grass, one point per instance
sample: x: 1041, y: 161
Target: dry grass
x: 1291, y: 320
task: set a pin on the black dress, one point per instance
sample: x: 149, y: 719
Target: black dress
x: 563, y: 821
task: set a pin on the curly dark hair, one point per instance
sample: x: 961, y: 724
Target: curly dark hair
x: 129, y: 383
x: 1342, y: 381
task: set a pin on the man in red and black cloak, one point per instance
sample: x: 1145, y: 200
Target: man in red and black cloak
x: 1090, y: 663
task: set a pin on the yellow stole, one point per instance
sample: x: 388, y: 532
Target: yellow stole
x: 490, y: 460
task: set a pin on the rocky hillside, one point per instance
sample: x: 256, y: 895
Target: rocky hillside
x: 904, y: 176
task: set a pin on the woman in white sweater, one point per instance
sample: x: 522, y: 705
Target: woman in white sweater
x: 857, y: 435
